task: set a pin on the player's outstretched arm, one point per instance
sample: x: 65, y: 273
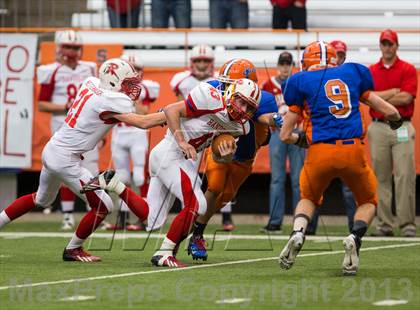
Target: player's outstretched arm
x: 271, y: 119
x: 173, y: 113
x: 141, y: 121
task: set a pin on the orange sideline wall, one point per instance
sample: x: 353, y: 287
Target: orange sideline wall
x: 41, y: 130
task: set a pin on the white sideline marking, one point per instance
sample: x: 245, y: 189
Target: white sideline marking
x: 233, y: 301
x: 244, y: 261
x: 219, y: 237
x: 390, y: 302
x: 78, y: 298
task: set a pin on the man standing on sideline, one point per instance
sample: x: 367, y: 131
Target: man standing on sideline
x: 393, y: 151
x: 279, y: 151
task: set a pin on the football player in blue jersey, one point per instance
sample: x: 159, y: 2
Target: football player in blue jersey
x: 330, y: 95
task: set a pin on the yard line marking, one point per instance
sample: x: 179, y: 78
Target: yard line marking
x: 78, y: 298
x: 218, y: 237
x: 244, y: 261
x: 390, y: 302
x: 233, y: 301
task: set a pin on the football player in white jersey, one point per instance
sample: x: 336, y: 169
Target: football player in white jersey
x: 60, y: 82
x: 201, y: 70
x: 98, y: 106
x: 174, y: 162
x: 130, y: 142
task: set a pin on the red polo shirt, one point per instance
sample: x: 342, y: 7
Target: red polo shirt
x: 286, y: 3
x: 400, y: 75
x: 123, y: 6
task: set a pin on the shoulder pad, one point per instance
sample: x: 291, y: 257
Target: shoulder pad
x: 44, y: 73
x: 206, y: 97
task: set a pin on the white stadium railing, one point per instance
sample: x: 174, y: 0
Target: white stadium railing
x: 321, y: 14
x: 363, y: 46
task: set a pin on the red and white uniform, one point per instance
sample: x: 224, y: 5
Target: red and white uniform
x: 173, y: 176
x: 85, y: 125
x: 183, y: 82
x: 132, y: 142
x: 59, y: 85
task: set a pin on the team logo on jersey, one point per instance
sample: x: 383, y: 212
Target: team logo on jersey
x: 110, y: 69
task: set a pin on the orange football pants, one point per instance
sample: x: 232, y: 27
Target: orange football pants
x: 224, y: 180
x: 348, y: 162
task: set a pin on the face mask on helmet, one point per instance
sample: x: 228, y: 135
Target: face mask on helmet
x: 131, y: 87
x: 119, y: 76
x: 242, y: 100
x: 237, y: 69
x: 318, y: 55
x: 69, y: 46
x: 202, y: 61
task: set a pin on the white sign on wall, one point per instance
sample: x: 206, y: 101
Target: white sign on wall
x: 17, y: 66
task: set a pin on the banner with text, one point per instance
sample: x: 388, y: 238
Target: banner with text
x: 17, y: 66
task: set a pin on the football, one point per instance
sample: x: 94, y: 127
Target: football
x: 218, y: 140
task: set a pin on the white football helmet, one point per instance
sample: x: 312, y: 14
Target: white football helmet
x: 242, y: 99
x: 202, y: 61
x: 69, y: 45
x: 120, y: 76
x: 134, y: 60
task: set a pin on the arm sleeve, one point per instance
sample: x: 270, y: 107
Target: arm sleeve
x: 291, y: 92
x: 366, y: 79
x: 117, y: 104
x: 45, y: 76
x: 267, y: 105
x: 409, y: 82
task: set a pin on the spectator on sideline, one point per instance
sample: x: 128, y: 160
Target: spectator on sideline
x: 393, y: 151
x: 162, y: 10
x: 289, y: 10
x: 124, y: 13
x: 280, y: 151
x: 233, y: 13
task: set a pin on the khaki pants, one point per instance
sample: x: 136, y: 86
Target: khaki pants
x: 392, y: 157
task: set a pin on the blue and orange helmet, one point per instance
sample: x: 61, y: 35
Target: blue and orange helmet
x: 238, y: 68
x: 318, y: 55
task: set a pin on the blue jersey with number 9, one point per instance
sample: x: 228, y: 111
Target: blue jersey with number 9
x: 330, y: 98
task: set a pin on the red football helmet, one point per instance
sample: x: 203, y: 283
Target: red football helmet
x: 202, y: 61
x: 318, y: 55
x: 69, y: 45
x: 235, y: 69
